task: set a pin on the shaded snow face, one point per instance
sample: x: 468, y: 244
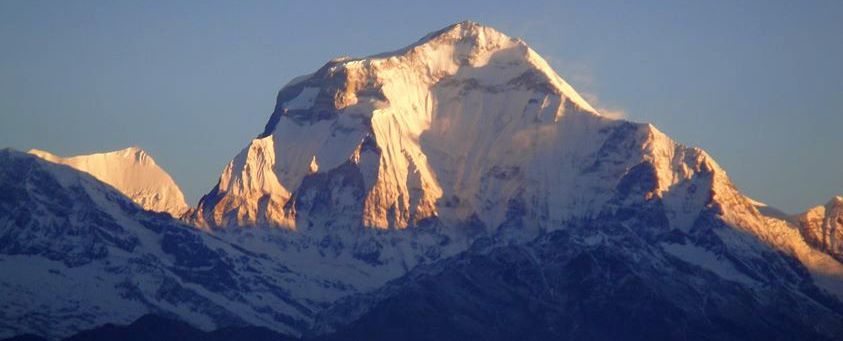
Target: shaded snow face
x: 571, y: 284
x: 79, y: 254
x: 131, y: 171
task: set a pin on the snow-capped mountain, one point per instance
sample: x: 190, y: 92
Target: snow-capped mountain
x: 75, y: 254
x: 465, y: 126
x: 450, y: 178
x: 133, y: 172
x: 378, y: 164
x: 449, y: 128
x: 822, y: 227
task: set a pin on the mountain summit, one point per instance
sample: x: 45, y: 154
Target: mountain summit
x: 376, y: 165
x: 421, y: 130
x: 470, y: 132
x: 133, y: 172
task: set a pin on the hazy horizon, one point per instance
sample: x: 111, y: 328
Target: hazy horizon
x: 758, y: 85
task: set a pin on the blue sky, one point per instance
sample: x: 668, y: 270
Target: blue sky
x: 758, y: 84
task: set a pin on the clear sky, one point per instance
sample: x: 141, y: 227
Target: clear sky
x: 759, y: 85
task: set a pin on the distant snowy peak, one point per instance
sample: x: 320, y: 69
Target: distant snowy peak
x: 822, y: 227
x: 133, y: 172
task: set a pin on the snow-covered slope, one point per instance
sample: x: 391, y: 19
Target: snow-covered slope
x: 822, y: 227
x: 75, y: 253
x: 131, y: 171
x: 595, y: 281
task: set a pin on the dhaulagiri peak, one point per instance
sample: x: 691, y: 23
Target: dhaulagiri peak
x: 457, y: 125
